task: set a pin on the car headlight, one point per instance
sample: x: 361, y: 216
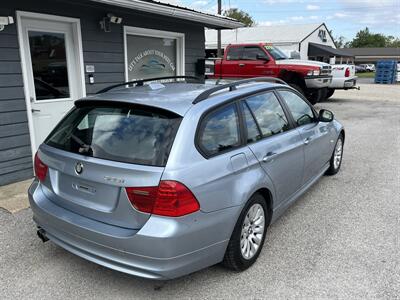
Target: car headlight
x: 314, y: 72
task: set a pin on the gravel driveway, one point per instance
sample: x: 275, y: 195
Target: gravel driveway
x: 340, y: 240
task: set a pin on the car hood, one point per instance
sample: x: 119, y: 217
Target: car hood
x: 301, y: 62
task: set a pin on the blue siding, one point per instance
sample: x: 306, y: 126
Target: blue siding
x: 103, y: 50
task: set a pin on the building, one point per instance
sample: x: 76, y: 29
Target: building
x: 305, y: 41
x: 372, y: 55
x: 54, y: 52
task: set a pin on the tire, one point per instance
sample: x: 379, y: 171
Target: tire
x: 334, y: 163
x: 330, y: 93
x: 314, y: 97
x: 236, y: 257
x: 297, y: 88
x: 324, y: 95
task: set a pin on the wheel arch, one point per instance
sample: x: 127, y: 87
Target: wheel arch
x: 342, y: 132
x: 292, y: 77
x: 267, y: 195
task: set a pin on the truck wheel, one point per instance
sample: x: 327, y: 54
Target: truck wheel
x: 314, y: 97
x: 323, y: 95
x: 297, y: 88
x: 330, y: 93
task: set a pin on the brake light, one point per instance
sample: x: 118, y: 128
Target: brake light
x: 347, y: 72
x: 40, y: 168
x: 170, y: 198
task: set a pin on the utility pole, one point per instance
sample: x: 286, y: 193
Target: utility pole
x: 219, y: 51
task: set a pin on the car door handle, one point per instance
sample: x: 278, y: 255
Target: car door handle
x: 269, y: 157
x: 35, y: 110
x: 242, y: 65
x: 307, y: 141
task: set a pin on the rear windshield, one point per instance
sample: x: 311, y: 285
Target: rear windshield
x: 136, y: 134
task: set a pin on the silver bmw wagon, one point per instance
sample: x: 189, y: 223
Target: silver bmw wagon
x: 159, y: 180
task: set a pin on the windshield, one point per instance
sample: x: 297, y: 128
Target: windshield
x: 131, y: 134
x: 275, y: 52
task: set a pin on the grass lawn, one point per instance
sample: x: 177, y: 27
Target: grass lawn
x: 366, y: 75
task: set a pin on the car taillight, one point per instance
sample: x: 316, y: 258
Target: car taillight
x: 347, y: 72
x: 170, y: 198
x: 40, y: 168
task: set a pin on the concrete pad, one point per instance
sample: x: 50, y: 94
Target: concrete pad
x: 14, y: 197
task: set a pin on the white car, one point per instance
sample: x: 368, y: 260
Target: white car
x: 369, y: 67
x: 343, y: 78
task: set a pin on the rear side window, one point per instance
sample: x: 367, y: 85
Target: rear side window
x: 139, y: 135
x: 234, y: 53
x: 268, y: 113
x: 219, y: 131
x: 253, y: 132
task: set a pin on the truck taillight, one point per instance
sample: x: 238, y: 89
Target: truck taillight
x: 40, y: 168
x: 347, y: 72
x: 169, y: 198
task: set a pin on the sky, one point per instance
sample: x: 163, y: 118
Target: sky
x: 344, y: 17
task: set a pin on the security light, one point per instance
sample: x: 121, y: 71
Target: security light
x: 5, y: 21
x: 106, y: 22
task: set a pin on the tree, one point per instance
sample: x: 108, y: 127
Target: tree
x: 340, y: 41
x: 391, y: 41
x: 365, y: 39
x: 241, y: 16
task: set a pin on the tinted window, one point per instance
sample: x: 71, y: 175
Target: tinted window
x: 301, y: 111
x: 127, y: 134
x: 269, y: 114
x: 253, y: 133
x: 49, y: 64
x: 252, y: 53
x: 220, y: 130
x: 234, y: 53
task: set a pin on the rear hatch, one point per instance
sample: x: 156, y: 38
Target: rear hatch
x: 98, y: 150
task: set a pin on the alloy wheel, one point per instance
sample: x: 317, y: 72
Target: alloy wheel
x: 252, y: 231
x: 338, y: 154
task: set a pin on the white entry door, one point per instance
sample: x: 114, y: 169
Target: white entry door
x: 53, y: 67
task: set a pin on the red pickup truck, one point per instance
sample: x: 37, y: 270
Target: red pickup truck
x: 310, y: 78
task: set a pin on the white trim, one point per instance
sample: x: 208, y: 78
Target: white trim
x: 216, y: 21
x: 178, y: 36
x: 76, y: 30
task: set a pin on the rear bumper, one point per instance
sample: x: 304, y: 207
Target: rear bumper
x: 317, y: 82
x: 343, y: 83
x: 164, y: 248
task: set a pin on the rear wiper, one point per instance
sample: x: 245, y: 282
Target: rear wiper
x: 84, y: 148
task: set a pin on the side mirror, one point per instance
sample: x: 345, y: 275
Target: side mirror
x: 262, y: 57
x: 325, y: 115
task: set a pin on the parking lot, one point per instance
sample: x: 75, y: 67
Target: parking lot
x: 340, y: 240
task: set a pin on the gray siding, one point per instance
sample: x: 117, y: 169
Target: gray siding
x: 15, y: 151
x: 103, y: 50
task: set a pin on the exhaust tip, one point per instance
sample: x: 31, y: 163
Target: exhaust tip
x: 42, y: 235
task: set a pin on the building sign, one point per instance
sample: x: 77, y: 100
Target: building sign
x: 149, y: 57
x: 322, y: 35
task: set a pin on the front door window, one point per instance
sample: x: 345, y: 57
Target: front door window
x: 49, y: 65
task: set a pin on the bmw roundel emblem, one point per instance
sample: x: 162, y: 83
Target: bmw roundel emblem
x: 79, y: 168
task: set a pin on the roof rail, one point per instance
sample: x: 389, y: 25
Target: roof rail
x: 233, y: 86
x: 142, y: 81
